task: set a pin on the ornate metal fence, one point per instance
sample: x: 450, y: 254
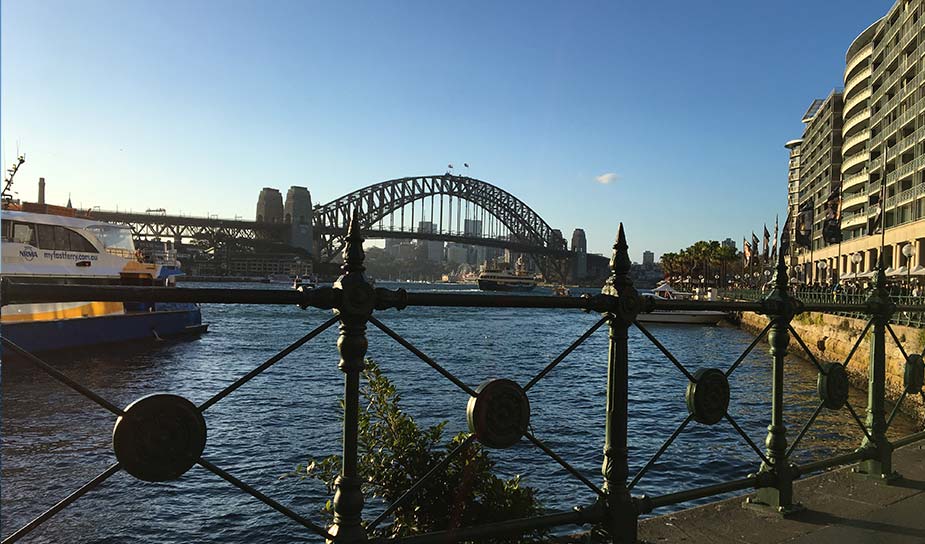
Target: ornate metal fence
x: 160, y: 437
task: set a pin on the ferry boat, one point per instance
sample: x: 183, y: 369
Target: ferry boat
x: 678, y: 317
x: 52, y: 244
x: 496, y: 279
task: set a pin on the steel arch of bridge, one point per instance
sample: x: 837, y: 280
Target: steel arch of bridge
x: 530, y: 233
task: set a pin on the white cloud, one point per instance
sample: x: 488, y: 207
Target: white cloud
x: 607, y: 178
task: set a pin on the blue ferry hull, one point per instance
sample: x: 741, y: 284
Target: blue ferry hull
x: 162, y: 321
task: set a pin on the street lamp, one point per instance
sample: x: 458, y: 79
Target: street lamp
x: 908, y: 250
x: 822, y: 265
x: 856, y: 259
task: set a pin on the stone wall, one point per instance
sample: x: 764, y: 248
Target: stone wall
x: 840, y: 334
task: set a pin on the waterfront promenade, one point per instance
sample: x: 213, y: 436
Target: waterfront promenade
x: 840, y: 507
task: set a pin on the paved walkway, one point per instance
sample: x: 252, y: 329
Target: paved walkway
x: 841, y: 508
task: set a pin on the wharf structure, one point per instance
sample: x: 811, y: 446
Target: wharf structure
x: 866, y: 144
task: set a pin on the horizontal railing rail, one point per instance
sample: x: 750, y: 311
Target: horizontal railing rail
x: 505, y: 404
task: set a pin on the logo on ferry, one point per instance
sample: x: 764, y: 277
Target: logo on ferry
x: 28, y: 253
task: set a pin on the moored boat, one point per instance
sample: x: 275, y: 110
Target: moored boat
x: 52, y: 244
x: 684, y: 317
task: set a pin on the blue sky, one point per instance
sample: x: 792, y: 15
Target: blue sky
x: 195, y: 106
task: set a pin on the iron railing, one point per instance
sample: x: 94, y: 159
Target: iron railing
x: 160, y: 437
x: 909, y: 318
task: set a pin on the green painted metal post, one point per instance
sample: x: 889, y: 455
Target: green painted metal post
x: 621, y: 514
x: 879, y: 463
x: 775, y: 491
x: 356, y: 305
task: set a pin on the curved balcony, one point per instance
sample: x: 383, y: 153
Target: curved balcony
x: 848, y: 221
x: 862, y: 55
x: 852, y: 142
x: 857, y: 78
x: 860, y: 98
x: 854, y: 121
x: 854, y: 202
x: 855, y: 180
x: 852, y: 163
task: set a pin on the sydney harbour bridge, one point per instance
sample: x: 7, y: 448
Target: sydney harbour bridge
x: 443, y: 207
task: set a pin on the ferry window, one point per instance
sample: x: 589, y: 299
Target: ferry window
x: 24, y: 233
x: 6, y: 231
x: 76, y: 242
x: 61, y: 238
x: 46, y: 236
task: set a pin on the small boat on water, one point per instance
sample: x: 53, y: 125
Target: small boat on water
x: 304, y: 281
x: 498, y: 279
x: 560, y: 291
x: 685, y: 317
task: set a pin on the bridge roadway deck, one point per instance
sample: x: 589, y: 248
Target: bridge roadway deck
x: 841, y: 508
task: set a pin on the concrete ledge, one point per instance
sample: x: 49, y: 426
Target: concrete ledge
x: 841, y: 508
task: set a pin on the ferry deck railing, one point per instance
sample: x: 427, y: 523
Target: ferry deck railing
x: 147, y: 447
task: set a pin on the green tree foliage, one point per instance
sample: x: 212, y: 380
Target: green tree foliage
x: 395, y: 453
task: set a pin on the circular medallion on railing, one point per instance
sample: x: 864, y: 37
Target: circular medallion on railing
x: 159, y: 437
x: 833, y: 386
x: 914, y: 375
x: 708, y: 396
x: 500, y: 414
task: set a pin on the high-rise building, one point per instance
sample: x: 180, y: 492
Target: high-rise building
x: 648, y: 259
x: 580, y: 249
x: 729, y: 242
x: 870, y: 150
x: 298, y: 213
x: 432, y: 248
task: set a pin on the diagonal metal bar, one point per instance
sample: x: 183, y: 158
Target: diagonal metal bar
x: 747, y: 439
x: 264, y: 499
x: 858, y: 342
x: 749, y: 349
x: 805, y: 347
x: 858, y: 420
x: 28, y: 528
x: 413, y: 489
x: 660, y: 451
x: 896, y: 408
x: 267, y: 364
x: 898, y: 343
x: 564, y: 354
x: 63, y: 378
x: 422, y: 356
x: 664, y: 350
x: 562, y: 462
x: 805, y: 428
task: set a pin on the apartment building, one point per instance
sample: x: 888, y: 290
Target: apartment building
x: 869, y: 146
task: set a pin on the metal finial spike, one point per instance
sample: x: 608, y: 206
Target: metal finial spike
x: 353, y: 246
x: 620, y: 262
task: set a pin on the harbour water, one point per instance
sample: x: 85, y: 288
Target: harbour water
x: 54, y: 440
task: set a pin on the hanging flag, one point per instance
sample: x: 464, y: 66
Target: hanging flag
x: 450, y: 166
x: 754, y: 245
x: 785, y: 237
x: 831, y: 225
x: 766, y: 242
x: 747, y: 251
x: 466, y: 164
x: 875, y: 225
x: 774, y: 248
x: 804, y: 225
x: 744, y: 255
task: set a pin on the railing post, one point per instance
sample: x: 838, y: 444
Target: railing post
x: 620, y: 517
x: 356, y: 305
x: 879, y: 463
x: 775, y: 478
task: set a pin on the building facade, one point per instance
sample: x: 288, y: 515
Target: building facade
x: 875, y: 133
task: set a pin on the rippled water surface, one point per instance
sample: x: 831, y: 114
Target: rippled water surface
x: 54, y: 440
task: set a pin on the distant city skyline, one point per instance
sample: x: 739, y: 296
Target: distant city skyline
x: 670, y: 118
